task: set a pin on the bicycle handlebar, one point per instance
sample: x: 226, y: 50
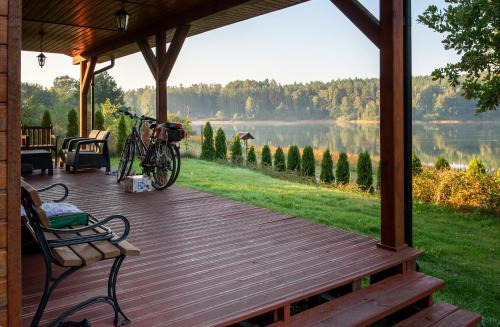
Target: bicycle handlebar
x: 133, y: 115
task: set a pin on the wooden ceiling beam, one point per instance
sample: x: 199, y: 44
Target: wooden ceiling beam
x: 149, y: 56
x: 165, y: 24
x: 361, y: 17
x: 175, y: 47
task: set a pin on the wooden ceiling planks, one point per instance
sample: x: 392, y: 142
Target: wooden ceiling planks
x: 89, y: 27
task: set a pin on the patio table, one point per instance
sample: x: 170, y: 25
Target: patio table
x: 37, y: 159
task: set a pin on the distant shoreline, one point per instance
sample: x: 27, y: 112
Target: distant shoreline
x: 199, y: 122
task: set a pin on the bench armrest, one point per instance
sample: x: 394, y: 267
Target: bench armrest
x: 73, y: 144
x: 88, y: 141
x: 106, y: 234
x: 65, y: 188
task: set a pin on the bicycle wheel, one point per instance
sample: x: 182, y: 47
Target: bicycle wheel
x: 177, y: 158
x: 164, y: 165
x: 126, y: 160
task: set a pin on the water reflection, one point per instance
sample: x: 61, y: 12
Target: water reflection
x: 456, y: 142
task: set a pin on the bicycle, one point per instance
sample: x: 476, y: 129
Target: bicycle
x: 160, y: 158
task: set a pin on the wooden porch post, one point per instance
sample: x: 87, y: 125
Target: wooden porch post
x: 86, y: 70
x: 387, y: 35
x: 10, y: 162
x: 162, y: 63
x: 392, y: 124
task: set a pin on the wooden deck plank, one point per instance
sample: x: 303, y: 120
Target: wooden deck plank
x: 204, y: 260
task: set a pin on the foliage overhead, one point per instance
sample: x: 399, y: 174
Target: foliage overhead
x: 279, y: 160
x: 266, y: 159
x: 207, y: 147
x: 326, y: 175
x: 342, y: 172
x: 364, y: 172
x: 220, y: 145
x: 236, y: 151
x: 471, y: 28
x: 308, y: 165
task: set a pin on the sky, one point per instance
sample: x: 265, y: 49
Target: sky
x: 309, y: 41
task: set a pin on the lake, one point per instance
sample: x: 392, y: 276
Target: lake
x: 457, y: 142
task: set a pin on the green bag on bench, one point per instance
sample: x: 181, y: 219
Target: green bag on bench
x: 62, y: 214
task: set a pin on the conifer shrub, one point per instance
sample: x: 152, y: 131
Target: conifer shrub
x: 416, y: 164
x: 236, y: 151
x: 293, y: 158
x: 46, y: 119
x: 266, y: 159
x: 251, y: 157
x: 99, y: 120
x: 379, y: 177
x: 364, y: 172
x: 220, y: 145
x: 308, y: 166
x: 207, y: 147
x: 326, y: 175
x: 279, y: 160
x: 121, y: 138
x: 441, y: 163
x: 342, y: 172
x: 476, y: 168
x: 72, y: 128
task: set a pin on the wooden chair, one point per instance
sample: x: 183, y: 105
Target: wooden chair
x: 97, y: 156
x: 39, y: 138
x: 74, y: 248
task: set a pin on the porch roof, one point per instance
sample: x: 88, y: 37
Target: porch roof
x: 88, y: 28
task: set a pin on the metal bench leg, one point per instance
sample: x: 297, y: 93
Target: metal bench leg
x: 50, y: 284
x: 113, y: 277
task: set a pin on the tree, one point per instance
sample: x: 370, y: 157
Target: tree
x: 46, y: 119
x: 122, y: 135
x: 106, y: 88
x: 308, y: 165
x: 364, y: 172
x: 342, y: 173
x: 326, y: 175
x: 99, y: 120
x: 266, y: 156
x: 236, y: 151
x: 72, y: 128
x: 471, y: 29
x: 441, y: 163
x: 220, y: 145
x: 109, y: 111
x: 293, y: 158
x: 416, y: 165
x: 208, y: 148
x: 251, y: 157
x: 476, y: 168
x: 279, y: 160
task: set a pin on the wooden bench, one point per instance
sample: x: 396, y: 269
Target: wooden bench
x: 73, y: 248
x: 39, y: 138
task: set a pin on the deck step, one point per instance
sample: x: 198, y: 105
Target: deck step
x: 370, y: 304
x: 442, y: 314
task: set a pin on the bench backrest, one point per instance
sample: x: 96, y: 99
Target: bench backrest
x: 102, y: 147
x: 93, y: 133
x: 33, y: 204
x: 38, y: 135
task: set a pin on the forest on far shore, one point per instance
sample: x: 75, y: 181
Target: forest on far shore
x: 344, y: 99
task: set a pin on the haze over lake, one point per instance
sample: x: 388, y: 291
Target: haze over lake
x: 458, y: 142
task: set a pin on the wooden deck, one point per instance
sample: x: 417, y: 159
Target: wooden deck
x: 205, y: 260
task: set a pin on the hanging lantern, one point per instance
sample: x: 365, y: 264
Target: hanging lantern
x: 41, y: 57
x: 122, y: 17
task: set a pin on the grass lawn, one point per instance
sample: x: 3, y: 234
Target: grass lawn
x: 461, y: 248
